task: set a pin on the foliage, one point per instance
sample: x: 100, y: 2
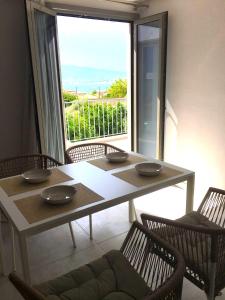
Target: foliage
x: 94, y: 92
x: 118, y: 89
x: 95, y: 119
x: 69, y: 97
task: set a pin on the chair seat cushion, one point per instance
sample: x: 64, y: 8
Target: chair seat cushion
x: 195, y: 218
x: 192, y: 218
x: 108, y: 278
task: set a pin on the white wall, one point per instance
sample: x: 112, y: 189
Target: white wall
x: 195, y: 93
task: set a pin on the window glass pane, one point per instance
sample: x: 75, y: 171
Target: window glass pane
x: 148, y: 87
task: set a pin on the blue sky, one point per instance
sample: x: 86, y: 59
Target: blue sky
x: 94, y: 43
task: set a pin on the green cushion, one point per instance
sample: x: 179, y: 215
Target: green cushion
x: 108, y: 278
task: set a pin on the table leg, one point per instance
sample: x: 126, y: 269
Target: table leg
x: 13, y: 246
x: 24, y: 258
x: 72, y: 235
x: 132, y: 212
x: 3, y: 270
x: 190, y: 193
x: 90, y: 225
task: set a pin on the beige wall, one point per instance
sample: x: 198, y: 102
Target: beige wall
x: 195, y: 93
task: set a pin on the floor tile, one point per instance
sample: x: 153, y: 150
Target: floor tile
x: 7, y: 290
x: 108, y: 223
x: 112, y: 243
x: 59, y: 267
x: 56, y: 243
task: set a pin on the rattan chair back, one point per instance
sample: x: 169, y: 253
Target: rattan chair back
x: 89, y: 151
x: 213, y: 206
x: 160, y: 265
x: 17, y: 165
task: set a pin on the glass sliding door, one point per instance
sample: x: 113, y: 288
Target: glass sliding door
x: 43, y: 39
x: 150, y: 54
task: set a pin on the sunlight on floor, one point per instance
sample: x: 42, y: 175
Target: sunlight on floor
x: 168, y: 203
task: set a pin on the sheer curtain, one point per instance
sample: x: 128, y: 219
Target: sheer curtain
x: 43, y: 39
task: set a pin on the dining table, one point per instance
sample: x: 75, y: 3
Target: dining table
x: 99, y: 185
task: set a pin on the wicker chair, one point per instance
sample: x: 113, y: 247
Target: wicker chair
x: 137, y: 268
x: 17, y: 165
x: 200, y: 237
x: 87, y: 151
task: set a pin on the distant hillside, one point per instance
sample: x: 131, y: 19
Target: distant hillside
x: 88, y: 79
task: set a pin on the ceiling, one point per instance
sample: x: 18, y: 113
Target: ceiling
x: 120, y: 5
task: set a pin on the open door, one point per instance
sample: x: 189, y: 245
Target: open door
x: 45, y: 60
x: 150, y: 36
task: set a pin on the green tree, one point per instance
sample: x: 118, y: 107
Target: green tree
x: 118, y: 89
x: 94, y: 92
x: 69, y: 97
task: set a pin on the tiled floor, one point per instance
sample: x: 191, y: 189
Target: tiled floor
x: 52, y: 254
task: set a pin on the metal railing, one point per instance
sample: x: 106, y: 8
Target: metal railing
x: 89, y: 119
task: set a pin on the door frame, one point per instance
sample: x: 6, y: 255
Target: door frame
x: 163, y: 19
x: 131, y: 75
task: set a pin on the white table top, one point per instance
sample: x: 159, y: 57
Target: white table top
x: 112, y: 189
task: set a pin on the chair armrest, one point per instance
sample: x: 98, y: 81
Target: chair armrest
x: 154, y: 222
x: 25, y: 290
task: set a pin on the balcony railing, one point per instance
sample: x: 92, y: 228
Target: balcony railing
x: 89, y: 119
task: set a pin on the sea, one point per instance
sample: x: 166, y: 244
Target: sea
x: 86, y: 80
